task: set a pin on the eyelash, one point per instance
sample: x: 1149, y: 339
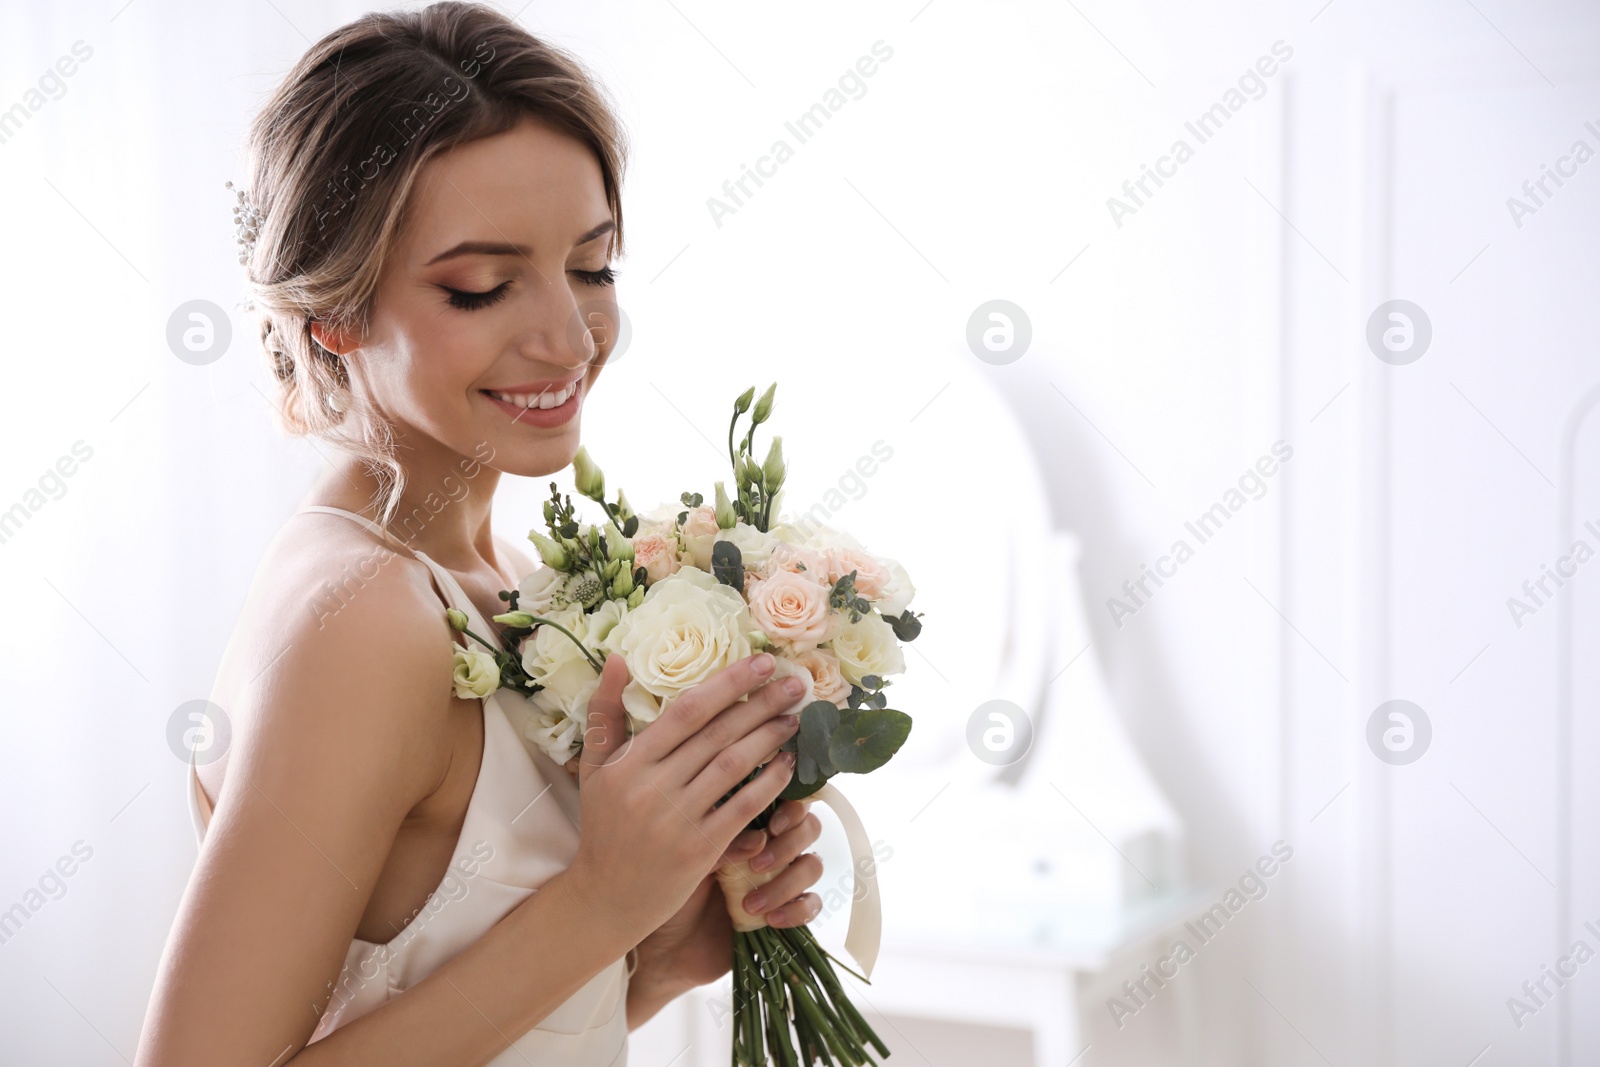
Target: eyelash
x: 467, y: 300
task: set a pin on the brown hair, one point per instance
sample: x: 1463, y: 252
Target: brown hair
x: 334, y: 153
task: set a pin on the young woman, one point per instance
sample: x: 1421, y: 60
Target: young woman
x: 389, y: 874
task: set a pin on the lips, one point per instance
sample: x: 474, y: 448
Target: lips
x: 553, y: 406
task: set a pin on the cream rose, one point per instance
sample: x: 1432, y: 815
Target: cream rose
x: 687, y: 628
x: 476, y: 674
x: 868, y: 646
x: 792, y: 609
x: 754, y: 545
x: 897, y: 591
x: 697, y: 534
x: 826, y: 681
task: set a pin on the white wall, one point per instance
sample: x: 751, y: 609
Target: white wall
x: 1225, y: 314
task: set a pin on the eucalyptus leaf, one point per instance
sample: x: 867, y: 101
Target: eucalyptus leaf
x: 727, y: 564
x: 906, y: 626
x: 865, y: 741
x: 819, y: 721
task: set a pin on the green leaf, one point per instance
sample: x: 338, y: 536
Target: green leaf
x: 906, y: 625
x: 727, y: 564
x: 818, y: 722
x: 630, y: 527
x: 865, y: 741
x: 871, y: 681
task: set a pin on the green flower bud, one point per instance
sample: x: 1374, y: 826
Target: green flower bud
x: 458, y: 619
x: 611, y: 569
x: 726, y: 517
x: 549, y: 551
x: 517, y: 620
x: 772, y: 470
x: 636, y: 597
x: 742, y: 405
x: 749, y: 473
x: 763, y: 406
x: 622, y: 583
x: 590, y: 479
x: 758, y: 640
x: 624, y: 508
x: 619, y: 546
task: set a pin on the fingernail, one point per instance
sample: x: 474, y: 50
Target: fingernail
x: 763, y: 861
x: 793, y: 687
x: 762, y: 664
x: 779, y: 823
x: 755, y: 903
x: 791, y: 721
x: 748, y: 839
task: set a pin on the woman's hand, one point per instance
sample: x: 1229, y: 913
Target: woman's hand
x: 650, y: 826
x: 695, y: 946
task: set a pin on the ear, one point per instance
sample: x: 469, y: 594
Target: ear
x: 337, y: 342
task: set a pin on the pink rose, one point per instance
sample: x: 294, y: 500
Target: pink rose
x: 872, y: 577
x: 657, y: 554
x: 797, y: 559
x: 792, y: 610
x: 826, y: 680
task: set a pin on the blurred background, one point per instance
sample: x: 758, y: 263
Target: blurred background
x: 1236, y: 369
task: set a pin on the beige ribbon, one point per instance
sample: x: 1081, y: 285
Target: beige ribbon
x: 866, y: 912
x: 865, y: 931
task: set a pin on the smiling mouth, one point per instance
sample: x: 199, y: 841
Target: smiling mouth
x: 535, y: 401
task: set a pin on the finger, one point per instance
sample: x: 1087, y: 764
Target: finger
x: 731, y: 725
x: 605, y: 728
x: 698, y: 705
x: 743, y: 847
x: 726, y: 768
x: 783, y: 848
x: 795, y: 879
x: 798, y: 912
x: 789, y: 813
x: 751, y: 800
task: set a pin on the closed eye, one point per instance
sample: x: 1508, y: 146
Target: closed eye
x: 604, y: 276
x: 468, y: 300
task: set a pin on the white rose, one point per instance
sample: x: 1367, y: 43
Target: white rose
x: 476, y: 674
x: 898, y: 591
x: 868, y: 646
x: 754, y: 545
x: 687, y: 628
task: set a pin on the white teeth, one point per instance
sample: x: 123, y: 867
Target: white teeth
x: 537, y: 400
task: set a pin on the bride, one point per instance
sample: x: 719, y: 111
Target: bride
x: 390, y: 873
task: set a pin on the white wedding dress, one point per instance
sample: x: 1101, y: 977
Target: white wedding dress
x: 521, y: 828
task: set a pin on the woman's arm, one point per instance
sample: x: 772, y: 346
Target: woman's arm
x: 342, y: 738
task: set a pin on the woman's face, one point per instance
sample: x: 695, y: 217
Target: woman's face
x: 478, y: 328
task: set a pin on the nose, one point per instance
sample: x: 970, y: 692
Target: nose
x: 556, y: 334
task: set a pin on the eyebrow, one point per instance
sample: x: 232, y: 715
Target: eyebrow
x: 501, y: 248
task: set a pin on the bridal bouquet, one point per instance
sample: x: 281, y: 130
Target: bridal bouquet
x: 681, y: 593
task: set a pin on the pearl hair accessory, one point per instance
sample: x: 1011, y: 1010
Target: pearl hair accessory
x: 247, y: 222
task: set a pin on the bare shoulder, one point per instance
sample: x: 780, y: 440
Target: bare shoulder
x: 342, y: 637
x: 337, y: 686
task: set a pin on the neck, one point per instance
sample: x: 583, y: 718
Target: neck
x: 444, y: 507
